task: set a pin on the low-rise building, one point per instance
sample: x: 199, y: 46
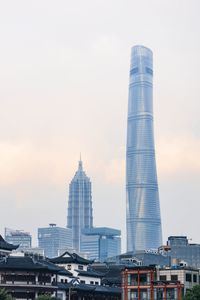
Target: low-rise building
x: 182, y: 250
x: 143, y: 283
x: 79, y: 267
x: 187, y: 276
x: 26, y: 276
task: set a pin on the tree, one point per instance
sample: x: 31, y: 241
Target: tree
x: 4, y: 295
x: 193, y: 294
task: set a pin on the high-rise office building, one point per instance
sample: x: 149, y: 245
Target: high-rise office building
x: 101, y: 242
x: 54, y: 238
x: 80, y: 214
x: 143, y: 208
x: 18, y: 237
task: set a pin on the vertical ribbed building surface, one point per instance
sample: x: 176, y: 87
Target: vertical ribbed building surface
x: 143, y: 207
x: 80, y: 213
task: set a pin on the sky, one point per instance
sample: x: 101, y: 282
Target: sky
x: 64, y: 72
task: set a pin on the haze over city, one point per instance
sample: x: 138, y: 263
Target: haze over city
x: 64, y: 90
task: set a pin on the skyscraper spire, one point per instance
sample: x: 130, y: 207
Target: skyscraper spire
x: 80, y: 164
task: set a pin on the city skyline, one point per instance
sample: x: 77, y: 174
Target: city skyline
x: 64, y: 75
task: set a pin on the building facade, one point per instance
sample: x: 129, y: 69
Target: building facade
x: 143, y: 283
x: 80, y: 214
x: 18, y: 237
x: 101, y: 242
x: 181, y: 251
x: 187, y: 276
x: 143, y: 208
x: 53, y: 238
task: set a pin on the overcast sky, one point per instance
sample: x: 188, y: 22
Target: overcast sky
x: 64, y: 70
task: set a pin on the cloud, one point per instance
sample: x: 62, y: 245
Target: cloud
x: 114, y: 171
x: 24, y: 161
x: 178, y: 154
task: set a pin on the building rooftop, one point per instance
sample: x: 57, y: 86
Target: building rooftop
x: 90, y: 273
x: 106, y: 231
x: 7, y: 246
x: 29, y: 263
x: 67, y: 258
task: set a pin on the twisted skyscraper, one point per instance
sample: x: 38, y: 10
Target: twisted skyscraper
x: 143, y: 208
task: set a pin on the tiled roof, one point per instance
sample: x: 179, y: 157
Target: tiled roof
x: 28, y: 263
x: 96, y: 289
x: 112, y: 273
x: 90, y: 273
x: 6, y: 246
x: 70, y: 258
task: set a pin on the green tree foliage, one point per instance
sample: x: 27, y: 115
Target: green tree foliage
x: 4, y: 295
x: 193, y: 294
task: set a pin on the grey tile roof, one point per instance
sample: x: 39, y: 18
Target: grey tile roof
x: 6, y: 246
x: 70, y: 258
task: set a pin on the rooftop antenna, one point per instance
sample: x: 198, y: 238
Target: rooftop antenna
x: 80, y: 163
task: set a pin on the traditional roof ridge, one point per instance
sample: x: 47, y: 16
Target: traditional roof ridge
x: 90, y: 273
x: 7, y: 246
x: 31, y: 263
x: 71, y: 258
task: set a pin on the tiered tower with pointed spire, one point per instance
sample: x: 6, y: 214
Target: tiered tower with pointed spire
x: 80, y: 214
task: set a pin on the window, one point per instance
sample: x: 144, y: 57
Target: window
x: 62, y: 280
x: 194, y: 278
x: 163, y: 277
x: 91, y: 282
x: 82, y: 281
x: 149, y: 71
x: 80, y: 267
x: 96, y: 282
x: 134, y: 71
x: 65, y: 280
x: 174, y: 277
x: 69, y: 267
x: 188, y: 277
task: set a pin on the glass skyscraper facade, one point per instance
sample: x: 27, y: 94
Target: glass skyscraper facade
x: 18, y: 237
x: 54, y: 238
x: 143, y: 208
x: 80, y: 214
x: 101, y: 242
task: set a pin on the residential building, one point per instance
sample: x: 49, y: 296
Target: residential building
x: 80, y: 213
x: 18, y: 237
x: 53, y: 238
x: 101, y: 242
x: 143, y: 283
x: 187, y: 276
x: 143, y: 207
